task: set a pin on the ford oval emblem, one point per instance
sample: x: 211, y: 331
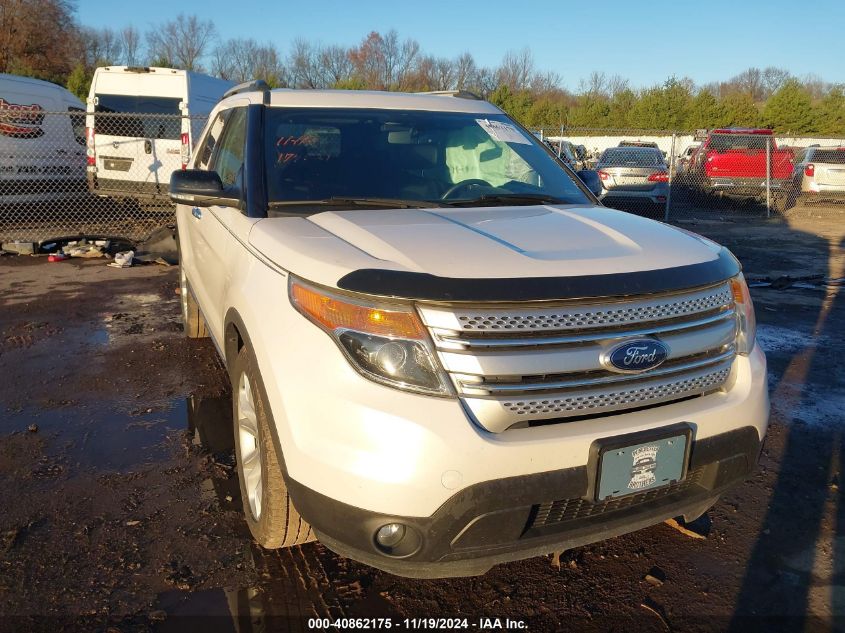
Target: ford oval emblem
x: 634, y: 356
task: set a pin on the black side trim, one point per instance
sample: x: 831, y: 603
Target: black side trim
x: 422, y: 286
x: 254, y: 177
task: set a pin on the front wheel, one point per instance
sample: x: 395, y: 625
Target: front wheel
x: 270, y: 515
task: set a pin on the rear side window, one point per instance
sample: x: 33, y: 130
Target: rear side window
x: 209, y: 143
x: 229, y: 157
x: 161, y: 117
x: 833, y: 156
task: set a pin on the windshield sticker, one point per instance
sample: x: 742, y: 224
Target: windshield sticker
x: 503, y: 132
x: 292, y: 148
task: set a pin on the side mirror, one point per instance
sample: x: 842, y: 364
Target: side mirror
x: 200, y: 188
x: 590, y: 177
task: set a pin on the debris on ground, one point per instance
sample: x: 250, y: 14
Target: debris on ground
x: 122, y: 260
x: 160, y: 247
x: 556, y: 560
x: 57, y: 257
x: 655, y: 577
x: 698, y: 529
x: 8, y: 539
x: 32, y: 428
x: 18, y: 248
x: 84, y: 248
x: 652, y: 607
x: 805, y: 282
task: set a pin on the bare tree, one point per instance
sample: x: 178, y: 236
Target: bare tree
x: 100, y: 47
x: 544, y: 83
x: 335, y: 65
x: 182, y: 42
x: 517, y: 69
x: 465, y: 71
x: 815, y: 85
x: 596, y: 85
x: 750, y: 82
x: 773, y: 78
x: 617, y: 84
x: 245, y: 59
x: 131, y: 44
x: 304, y: 65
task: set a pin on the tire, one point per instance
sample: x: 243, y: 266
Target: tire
x: 269, y: 511
x: 193, y: 323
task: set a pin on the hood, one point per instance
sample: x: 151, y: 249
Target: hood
x: 477, y: 243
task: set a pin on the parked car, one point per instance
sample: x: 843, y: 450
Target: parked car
x: 732, y: 163
x: 651, y: 144
x: 444, y: 354
x: 819, y: 173
x: 151, y: 117
x: 42, y: 141
x: 683, y: 159
x: 633, y: 174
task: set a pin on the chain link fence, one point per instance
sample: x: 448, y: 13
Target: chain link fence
x: 721, y: 173
x: 72, y: 174
x: 76, y: 174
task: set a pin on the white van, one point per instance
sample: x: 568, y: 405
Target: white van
x: 153, y: 116
x: 42, y: 141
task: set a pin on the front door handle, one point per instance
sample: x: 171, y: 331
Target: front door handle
x: 148, y: 146
x: 196, y: 213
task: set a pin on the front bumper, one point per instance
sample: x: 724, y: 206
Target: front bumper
x: 520, y: 517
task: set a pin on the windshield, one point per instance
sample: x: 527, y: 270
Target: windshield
x: 631, y: 157
x: 349, y: 156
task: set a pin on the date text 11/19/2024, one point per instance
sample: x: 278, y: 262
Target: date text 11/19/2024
x: 416, y: 624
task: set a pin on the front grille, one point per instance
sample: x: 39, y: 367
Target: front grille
x: 596, y: 315
x: 639, y: 396
x: 527, y: 362
x: 563, y: 510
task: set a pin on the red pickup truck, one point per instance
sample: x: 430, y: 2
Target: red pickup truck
x: 732, y: 163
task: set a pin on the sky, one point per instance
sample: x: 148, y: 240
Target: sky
x: 644, y: 41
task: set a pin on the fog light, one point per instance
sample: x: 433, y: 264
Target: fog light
x: 390, y: 535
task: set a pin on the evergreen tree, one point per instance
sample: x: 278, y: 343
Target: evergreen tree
x: 830, y: 113
x: 79, y: 81
x: 740, y: 110
x: 790, y: 109
x: 705, y: 112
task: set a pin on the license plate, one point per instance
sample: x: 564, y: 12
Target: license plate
x: 640, y: 467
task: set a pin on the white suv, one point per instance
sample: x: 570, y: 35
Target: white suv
x: 444, y: 353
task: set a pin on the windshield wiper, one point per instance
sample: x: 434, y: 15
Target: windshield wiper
x: 509, y: 198
x: 339, y: 201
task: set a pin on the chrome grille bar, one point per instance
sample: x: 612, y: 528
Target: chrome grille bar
x: 460, y: 340
x: 492, y: 388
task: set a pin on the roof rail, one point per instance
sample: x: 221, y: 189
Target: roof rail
x: 460, y: 94
x: 248, y: 86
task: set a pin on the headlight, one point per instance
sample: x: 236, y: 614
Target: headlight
x: 746, y: 323
x: 386, y: 343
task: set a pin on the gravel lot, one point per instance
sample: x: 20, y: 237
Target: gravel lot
x: 120, y: 507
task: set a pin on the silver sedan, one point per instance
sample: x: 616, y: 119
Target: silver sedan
x: 633, y: 174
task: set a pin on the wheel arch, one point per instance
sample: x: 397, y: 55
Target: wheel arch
x: 235, y: 338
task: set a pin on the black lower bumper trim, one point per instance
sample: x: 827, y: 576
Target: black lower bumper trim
x: 491, y: 522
